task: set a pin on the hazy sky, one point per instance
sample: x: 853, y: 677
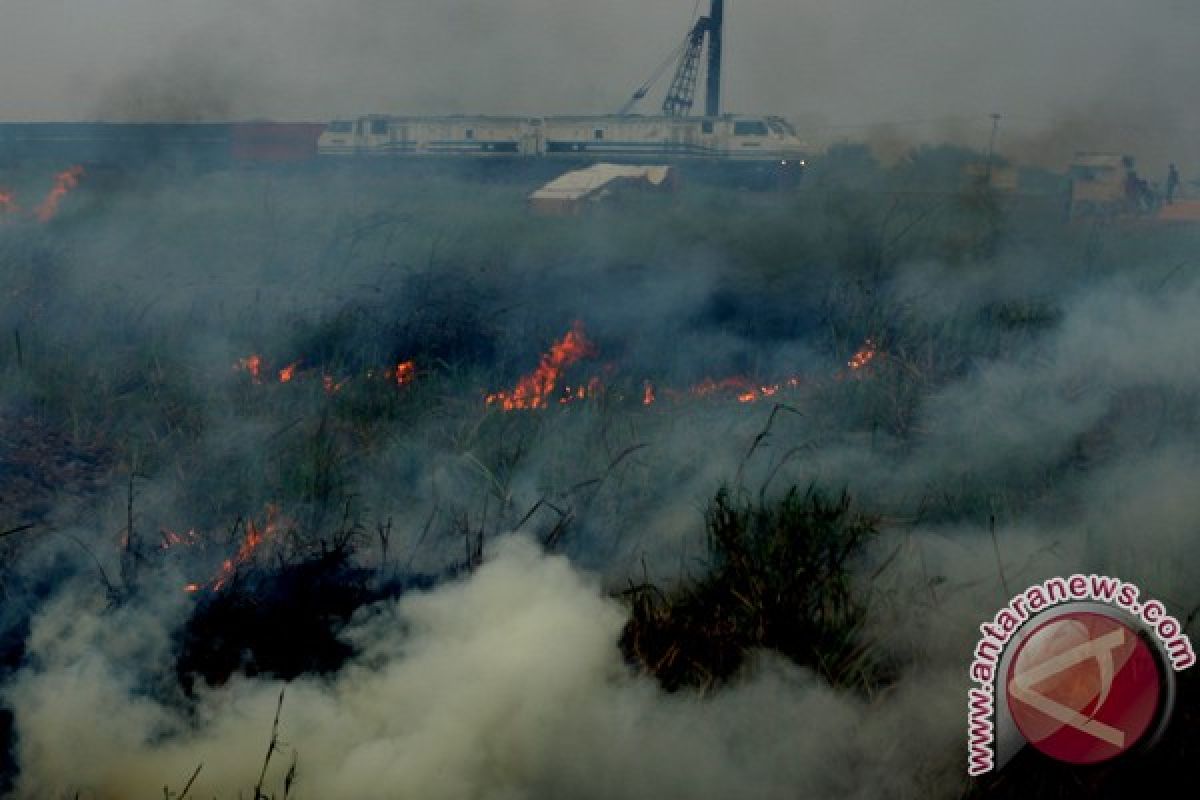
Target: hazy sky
x: 845, y: 63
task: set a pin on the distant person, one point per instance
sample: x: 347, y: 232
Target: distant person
x: 1130, y: 187
x: 1147, y: 198
x: 1172, y: 184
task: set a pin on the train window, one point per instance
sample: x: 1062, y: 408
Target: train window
x: 706, y: 126
x: 379, y: 127
x: 598, y: 133
x: 750, y: 127
x: 470, y: 133
x: 341, y: 126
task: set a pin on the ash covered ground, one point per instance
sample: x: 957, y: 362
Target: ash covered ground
x: 348, y: 483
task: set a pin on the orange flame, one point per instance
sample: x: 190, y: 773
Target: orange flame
x: 535, y: 389
x: 402, y: 374
x: 64, y: 182
x: 405, y: 372
x: 740, y: 388
x: 647, y: 393
x: 757, y: 393
x: 254, y: 537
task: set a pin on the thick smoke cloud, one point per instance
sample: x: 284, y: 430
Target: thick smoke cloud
x: 505, y: 686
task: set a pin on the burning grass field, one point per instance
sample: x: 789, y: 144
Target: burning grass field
x: 336, y: 483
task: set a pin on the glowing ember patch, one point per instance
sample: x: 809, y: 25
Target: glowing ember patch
x: 332, y: 385
x: 736, y: 385
x: 740, y: 388
x: 535, y: 390
x: 647, y: 393
x: 287, y: 373
x: 252, y: 364
x: 573, y: 394
x: 172, y: 539
x: 64, y: 182
x: 865, y: 355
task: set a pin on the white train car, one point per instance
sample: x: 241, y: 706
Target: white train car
x: 631, y: 139
x: 726, y: 138
x: 481, y: 136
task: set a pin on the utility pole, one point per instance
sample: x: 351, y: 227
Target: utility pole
x: 716, y: 24
x: 992, y: 146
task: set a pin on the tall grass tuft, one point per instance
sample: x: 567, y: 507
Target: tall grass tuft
x: 780, y: 579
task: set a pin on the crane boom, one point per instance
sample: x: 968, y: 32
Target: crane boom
x: 682, y: 92
x: 681, y: 95
x: 631, y: 102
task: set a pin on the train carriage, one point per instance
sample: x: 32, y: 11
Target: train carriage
x: 477, y: 136
x: 729, y: 138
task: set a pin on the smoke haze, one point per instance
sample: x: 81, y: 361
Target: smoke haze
x: 1109, y: 71
x: 1028, y: 407
x: 1074, y: 426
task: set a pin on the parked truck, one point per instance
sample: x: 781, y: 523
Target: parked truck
x: 1107, y: 185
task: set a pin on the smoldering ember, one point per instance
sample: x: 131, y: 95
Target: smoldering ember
x: 517, y: 401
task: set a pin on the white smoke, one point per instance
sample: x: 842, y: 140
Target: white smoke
x: 505, y: 685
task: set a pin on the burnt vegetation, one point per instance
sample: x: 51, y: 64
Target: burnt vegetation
x: 282, y: 621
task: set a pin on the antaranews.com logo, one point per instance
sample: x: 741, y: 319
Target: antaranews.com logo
x: 1081, y: 668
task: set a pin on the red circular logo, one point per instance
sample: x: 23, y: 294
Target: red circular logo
x: 1084, y: 688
